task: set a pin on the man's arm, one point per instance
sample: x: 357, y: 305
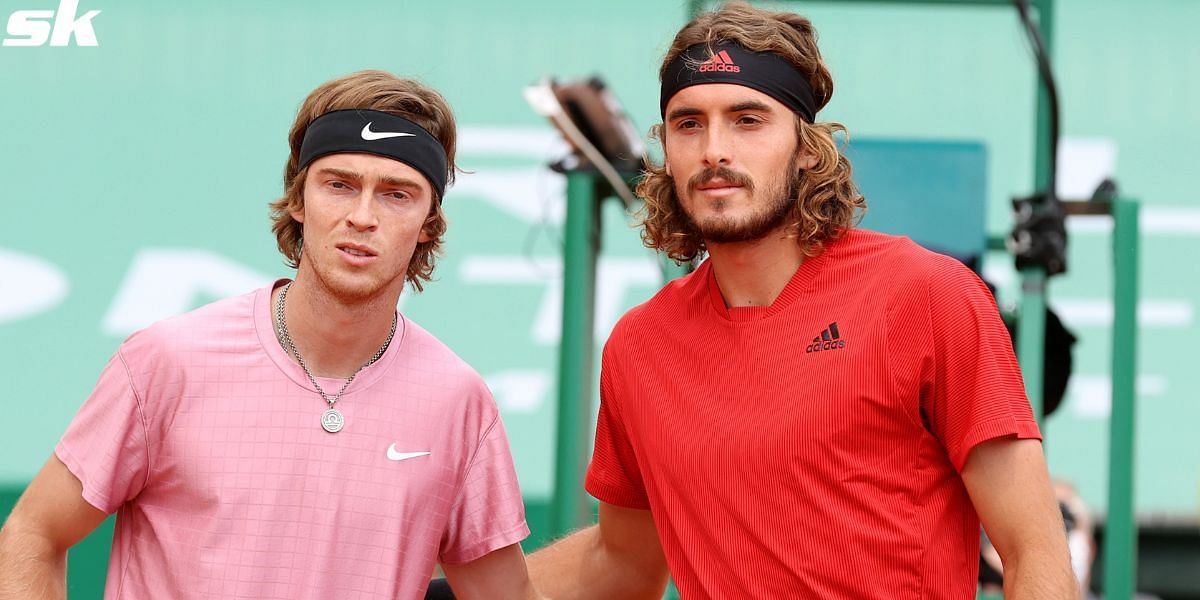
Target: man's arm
x: 619, y: 558
x: 499, y: 574
x: 1010, y: 488
x: 50, y: 517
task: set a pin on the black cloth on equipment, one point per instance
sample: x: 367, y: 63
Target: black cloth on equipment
x: 439, y: 589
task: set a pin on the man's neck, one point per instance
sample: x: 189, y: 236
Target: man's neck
x: 334, y: 336
x: 754, y: 273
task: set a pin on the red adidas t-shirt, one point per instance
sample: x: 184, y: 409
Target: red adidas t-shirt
x: 812, y: 448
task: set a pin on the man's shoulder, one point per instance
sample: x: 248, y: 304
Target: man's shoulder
x: 874, y: 245
x: 436, y: 356
x: 450, y: 386
x: 898, y: 258
x: 213, y: 323
x: 668, y: 307
x: 915, y: 278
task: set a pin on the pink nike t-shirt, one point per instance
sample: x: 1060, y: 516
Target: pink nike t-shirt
x: 205, y: 438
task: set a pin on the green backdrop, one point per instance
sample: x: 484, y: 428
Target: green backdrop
x: 134, y: 177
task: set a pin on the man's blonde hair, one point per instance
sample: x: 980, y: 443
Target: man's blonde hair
x: 384, y: 92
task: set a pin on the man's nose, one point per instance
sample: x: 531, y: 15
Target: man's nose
x: 362, y: 214
x: 717, y: 149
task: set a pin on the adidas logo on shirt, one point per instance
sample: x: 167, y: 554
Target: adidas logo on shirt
x: 830, y: 339
x: 719, y: 62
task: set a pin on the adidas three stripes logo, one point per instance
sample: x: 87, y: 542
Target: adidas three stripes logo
x: 829, y: 339
x: 720, y: 61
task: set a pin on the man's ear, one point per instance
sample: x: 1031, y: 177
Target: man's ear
x: 807, y: 159
x: 298, y: 213
x: 426, y: 233
x: 662, y: 138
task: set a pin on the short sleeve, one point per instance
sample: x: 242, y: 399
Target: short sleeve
x: 489, y: 513
x: 105, y: 446
x: 974, y: 392
x: 613, y: 475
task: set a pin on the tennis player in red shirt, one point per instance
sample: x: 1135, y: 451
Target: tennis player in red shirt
x: 818, y: 411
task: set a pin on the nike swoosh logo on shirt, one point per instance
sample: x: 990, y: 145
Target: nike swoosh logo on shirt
x: 371, y: 136
x: 394, y: 454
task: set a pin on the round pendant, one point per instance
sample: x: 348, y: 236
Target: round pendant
x: 332, y: 420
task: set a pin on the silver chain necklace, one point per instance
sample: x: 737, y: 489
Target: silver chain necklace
x: 332, y: 419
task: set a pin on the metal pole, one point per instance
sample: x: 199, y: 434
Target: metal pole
x: 1031, y: 329
x: 1120, y: 533
x: 575, y: 352
x: 1042, y: 149
x: 1031, y: 335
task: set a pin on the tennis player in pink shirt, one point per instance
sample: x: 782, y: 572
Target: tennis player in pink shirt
x: 304, y: 440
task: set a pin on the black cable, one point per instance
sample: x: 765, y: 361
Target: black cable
x: 1047, y: 79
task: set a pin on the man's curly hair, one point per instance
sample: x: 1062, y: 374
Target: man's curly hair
x: 827, y: 200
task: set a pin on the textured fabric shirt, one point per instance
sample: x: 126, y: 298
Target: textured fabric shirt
x: 204, y: 437
x: 812, y: 448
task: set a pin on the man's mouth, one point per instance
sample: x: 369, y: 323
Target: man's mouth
x: 717, y: 184
x: 356, y: 250
x: 720, y: 180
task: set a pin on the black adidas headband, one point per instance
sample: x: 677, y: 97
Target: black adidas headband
x: 728, y: 62
x: 379, y: 133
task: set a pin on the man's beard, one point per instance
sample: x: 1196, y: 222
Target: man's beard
x: 772, y: 206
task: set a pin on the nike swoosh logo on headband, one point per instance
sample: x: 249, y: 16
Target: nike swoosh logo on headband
x: 371, y: 136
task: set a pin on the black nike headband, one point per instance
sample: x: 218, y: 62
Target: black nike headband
x: 728, y: 62
x: 379, y: 133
